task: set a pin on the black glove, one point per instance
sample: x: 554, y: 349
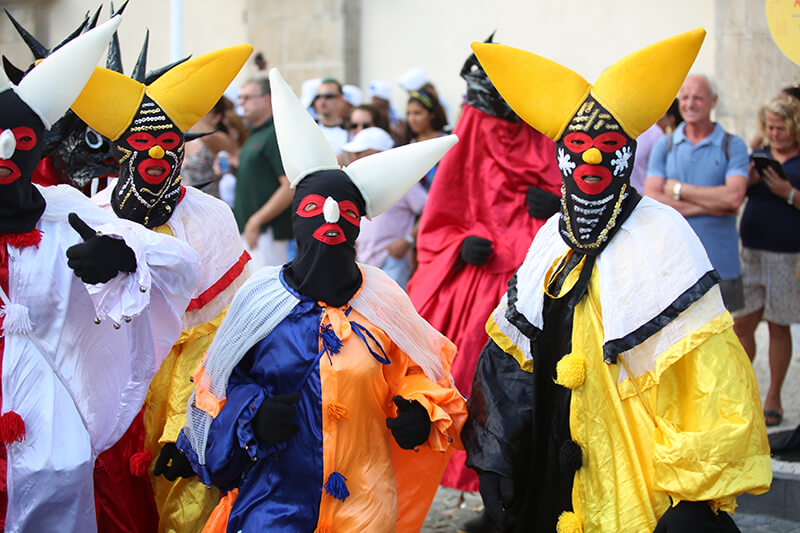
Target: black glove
x: 497, y: 492
x: 476, y: 250
x: 172, y: 463
x: 274, y: 421
x: 541, y: 203
x: 97, y: 259
x: 412, y: 425
x: 695, y: 516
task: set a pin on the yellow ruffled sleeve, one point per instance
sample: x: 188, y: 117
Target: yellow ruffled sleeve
x: 710, y: 443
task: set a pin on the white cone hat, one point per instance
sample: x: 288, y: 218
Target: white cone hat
x: 303, y: 147
x: 385, y: 177
x: 54, y: 84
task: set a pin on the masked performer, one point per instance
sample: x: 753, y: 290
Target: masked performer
x: 146, y: 121
x: 613, y: 394
x: 76, y: 364
x: 492, y: 192
x: 322, y: 364
x: 72, y: 152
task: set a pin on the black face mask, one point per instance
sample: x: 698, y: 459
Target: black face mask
x: 77, y: 152
x: 150, y: 154
x: 21, y: 204
x: 325, y: 267
x: 481, y: 92
x: 596, y: 194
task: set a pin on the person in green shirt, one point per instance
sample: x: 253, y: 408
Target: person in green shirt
x: 263, y: 196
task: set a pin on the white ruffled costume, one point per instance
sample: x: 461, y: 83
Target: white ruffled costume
x: 84, y: 401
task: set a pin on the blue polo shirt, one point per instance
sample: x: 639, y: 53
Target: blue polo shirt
x: 705, y: 164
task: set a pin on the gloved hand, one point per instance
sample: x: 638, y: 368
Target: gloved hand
x: 97, y: 259
x: 172, y: 463
x: 476, y: 250
x: 541, y: 203
x: 412, y: 426
x: 497, y: 492
x: 695, y: 516
x: 274, y: 421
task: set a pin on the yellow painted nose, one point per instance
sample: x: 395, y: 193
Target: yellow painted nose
x: 156, y: 152
x: 592, y: 156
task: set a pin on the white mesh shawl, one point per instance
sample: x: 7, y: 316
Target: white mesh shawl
x: 259, y: 305
x: 263, y: 302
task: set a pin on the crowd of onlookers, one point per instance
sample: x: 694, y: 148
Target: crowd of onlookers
x: 686, y: 160
x: 247, y: 173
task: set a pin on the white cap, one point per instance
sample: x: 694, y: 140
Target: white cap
x: 369, y: 139
x: 352, y: 94
x: 381, y: 89
x: 413, y: 79
x: 54, y: 84
x: 308, y: 91
x: 382, y: 179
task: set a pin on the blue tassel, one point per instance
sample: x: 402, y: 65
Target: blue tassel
x: 330, y: 342
x: 337, y: 486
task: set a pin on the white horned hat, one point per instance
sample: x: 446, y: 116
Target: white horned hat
x: 69, y: 67
x: 382, y: 178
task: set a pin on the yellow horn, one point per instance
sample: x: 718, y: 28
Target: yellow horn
x: 109, y: 102
x: 190, y: 90
x: 543, y: 93
x: 639, y: 88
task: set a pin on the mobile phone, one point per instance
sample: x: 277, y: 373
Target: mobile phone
x: 762, y: 162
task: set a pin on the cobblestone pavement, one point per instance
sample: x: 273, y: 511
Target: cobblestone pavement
x: 446, y: 515
x: 449, y: 510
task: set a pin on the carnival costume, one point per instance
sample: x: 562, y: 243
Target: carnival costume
x: 145, y: 118
x: 613, y: 385
x: 289, y: 414
x: 76, y: 363
x: 72, y: 153
x: 480, y: 191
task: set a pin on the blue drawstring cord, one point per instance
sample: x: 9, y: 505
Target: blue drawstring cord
x: 360, y: 330
x: 331, y: 344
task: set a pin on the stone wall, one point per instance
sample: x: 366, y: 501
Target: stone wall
x: 307, y: 38
x: 750, y: 68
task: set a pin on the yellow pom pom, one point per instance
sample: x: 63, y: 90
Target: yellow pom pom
x: 571, y: 370
x: 569, y: 523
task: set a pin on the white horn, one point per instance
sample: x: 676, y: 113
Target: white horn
x: 385, y: 177
x: 303, y: 147
x: 54, y: 84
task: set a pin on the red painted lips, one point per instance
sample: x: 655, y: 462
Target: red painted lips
x: 330, y: 234
x: 153, y: 177
x: 586, y: 171
x: 13, y: 171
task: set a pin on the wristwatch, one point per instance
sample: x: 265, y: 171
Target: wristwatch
x: 676, y: 191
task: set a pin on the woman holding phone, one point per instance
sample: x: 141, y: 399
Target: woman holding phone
x: 771, y: 245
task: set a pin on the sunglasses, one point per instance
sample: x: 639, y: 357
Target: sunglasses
x: 327, y: 96
x: 356, y: 125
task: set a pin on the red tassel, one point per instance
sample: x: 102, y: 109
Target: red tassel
x: 12, y: 428
x: 22, y: 240
x: 139, y: 464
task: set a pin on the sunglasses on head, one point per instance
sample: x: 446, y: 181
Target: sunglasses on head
x: 356, y: 125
